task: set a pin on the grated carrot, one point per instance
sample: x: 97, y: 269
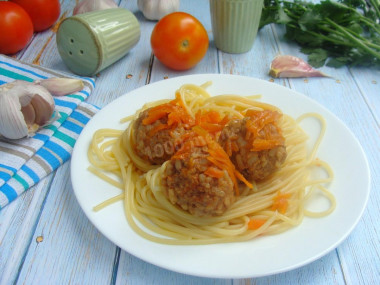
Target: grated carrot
x: 280, y: 202
x: 242, y: 179
x: 214, y: 172
x: 157, y: 128
x: 211, y: 121
x: 175, y: 113
x: 260, y: 129
x: 255, y: 224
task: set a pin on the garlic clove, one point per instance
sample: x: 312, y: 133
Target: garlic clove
x: 93, y: 5
x: 12, y: 123
x: 61, y: 86
x: 291, y: 66
x: 42, y: 109
x: 29, y: 114
x: 24, y: 107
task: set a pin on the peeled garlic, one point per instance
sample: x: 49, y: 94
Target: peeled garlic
x: 291, y: 66
x: 61, y: 86
x: 25, y: 107
x: 156, y: 9
x: 93, y: 5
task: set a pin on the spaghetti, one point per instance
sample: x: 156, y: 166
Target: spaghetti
x: 268, y: 206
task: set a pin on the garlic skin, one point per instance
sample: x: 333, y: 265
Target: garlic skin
x: 156, y: 9
x: 93, y: 5
x: 61, y: 86
x: 25, y: 107
x: 291, y: 66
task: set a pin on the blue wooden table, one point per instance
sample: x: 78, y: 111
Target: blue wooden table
x: 45, y: 238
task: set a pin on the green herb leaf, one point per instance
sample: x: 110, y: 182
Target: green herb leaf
x: 339, y: 33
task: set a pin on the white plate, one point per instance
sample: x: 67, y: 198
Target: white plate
x: 262, y: 256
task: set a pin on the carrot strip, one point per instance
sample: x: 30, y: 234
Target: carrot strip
x: 212, y: 117
x: 213, y: 128
x: 280, y: 202
x: 214, y: 172
x: 153, y: 116
x: 225, y: 120
x: 262, y: 144
x: 255, y: 224
x: 179, y: 100
x: 242, y: 178
x: 157, y: 128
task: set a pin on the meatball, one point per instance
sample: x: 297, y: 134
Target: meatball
x: 156, y: 142
x: 188, y: 185
x: 239, y: 141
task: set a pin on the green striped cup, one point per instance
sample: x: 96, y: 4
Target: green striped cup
x: 235, y: 24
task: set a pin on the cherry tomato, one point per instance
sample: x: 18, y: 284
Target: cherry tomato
x: 16, y: 28
x: 179, y: 41
x: 44, y: 13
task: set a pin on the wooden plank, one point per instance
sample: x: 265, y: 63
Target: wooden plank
x: 66, y: 247
x: 17, y: 223
x: 321, y: 271
x: 134, y: 270
x: 368, y: 82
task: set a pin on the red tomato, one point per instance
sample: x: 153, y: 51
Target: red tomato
x: 16, y: 28
x: 44, y: 13
x: 179, y: 41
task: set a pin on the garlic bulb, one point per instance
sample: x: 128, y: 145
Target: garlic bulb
x: 156, y: 9
x: 93, y: 5
x: 25, y: 107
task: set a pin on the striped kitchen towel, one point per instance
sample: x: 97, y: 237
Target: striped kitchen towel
x: 24, y: 162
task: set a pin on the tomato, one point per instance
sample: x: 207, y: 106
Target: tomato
x: 16, y: 28
x: 44, y: 13
x: 179, y: 41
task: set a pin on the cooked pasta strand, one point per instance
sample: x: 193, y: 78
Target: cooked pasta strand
x: 150, y: 213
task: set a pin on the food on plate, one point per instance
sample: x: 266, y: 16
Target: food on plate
x: 255, y: 144
x: 234, y: 168
x: 157, y: 131
x: 193, y: 181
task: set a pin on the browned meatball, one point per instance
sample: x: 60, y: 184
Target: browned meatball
x: 188, y: 185
x: 239, y: 141
x: 156, y: 142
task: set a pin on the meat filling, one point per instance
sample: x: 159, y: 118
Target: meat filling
x: 189, y: 185
x: 256, y: 150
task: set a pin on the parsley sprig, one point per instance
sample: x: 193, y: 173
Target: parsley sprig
x: 332, y: 33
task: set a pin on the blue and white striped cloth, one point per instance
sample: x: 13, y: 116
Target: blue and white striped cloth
x: 24, y: 162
